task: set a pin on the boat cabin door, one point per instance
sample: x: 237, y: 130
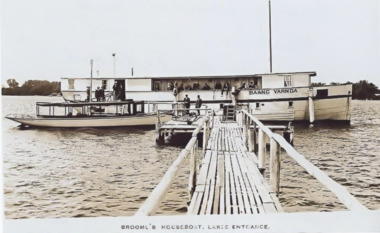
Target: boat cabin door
x: 121, y: 84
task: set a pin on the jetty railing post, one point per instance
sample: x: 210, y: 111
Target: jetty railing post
x: 311, y: 106
x: 254, y: 137
x: 193, y: 173
x: 261, y: 150
x: 251, y: 139
x: 205, y: 136
x: 275, y: 165
x: 246, y: 129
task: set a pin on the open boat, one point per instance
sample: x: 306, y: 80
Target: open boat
x: 90, y: 114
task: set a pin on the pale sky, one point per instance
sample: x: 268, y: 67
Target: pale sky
x: 50, y: 39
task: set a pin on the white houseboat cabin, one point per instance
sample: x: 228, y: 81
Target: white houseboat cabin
x: 272, y: 97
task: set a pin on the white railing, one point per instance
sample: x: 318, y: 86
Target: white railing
x: 155, y: 198
x: 276, y: 143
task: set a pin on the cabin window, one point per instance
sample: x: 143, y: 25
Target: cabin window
x: 71, y: 83
x: 257, y: 105
x: 156, y: 85
x: 322, y: 93
x: 77, y: 97
x: 287, y: 81
x: 104, y: 84
x: 291, y: 104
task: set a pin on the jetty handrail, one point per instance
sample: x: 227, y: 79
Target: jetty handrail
x: 340, y: 192
x: 154, y: 199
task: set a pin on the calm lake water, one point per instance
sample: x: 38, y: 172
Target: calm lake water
x: 52, y: 173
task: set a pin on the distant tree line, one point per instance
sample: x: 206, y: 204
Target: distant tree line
x: 31, y: 87
x: 361, y: 90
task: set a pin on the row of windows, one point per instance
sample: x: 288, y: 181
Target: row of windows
x: 196, y: 86
x: 71, y: 83
x: 290, y: 105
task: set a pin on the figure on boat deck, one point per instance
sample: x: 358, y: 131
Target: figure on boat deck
x: 101, y: 93
x: 186, y: 100
x: 97, y: 94
x: 198, y: 104
x: 88, y: 94
x: 226, y: 88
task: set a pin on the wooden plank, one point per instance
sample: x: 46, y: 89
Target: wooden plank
x: 232, y: 185
x: 227, y: 189
x: 208, y: 200
x: 245, y: 189
x: 239, y: 191
x: 211, y: 177
x: 194, y: 204
x: 213, y: 136
x: 203, y: 204
x: 226, y: 139
x: 201, y: 179
x: 218, y: 201
x: 231, y: 140
x: 259, y: 183
x: 209, y: 141
x: 246, y: 160
x: 216, y: 139
x: 221, y: 140
x: 269, y: 208
x: 252, y: 200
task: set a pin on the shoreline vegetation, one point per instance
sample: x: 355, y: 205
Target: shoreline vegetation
x: 361, y: 90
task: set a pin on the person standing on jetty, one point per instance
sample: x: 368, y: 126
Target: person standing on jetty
x: 101, y: 94
x: 198, y: 104
x: 97, y: 94
x: 115, y: 90
x: 186, y: 100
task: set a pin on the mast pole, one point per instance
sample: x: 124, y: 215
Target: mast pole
x: 92, y: 61
x: 114, y: 65
x: 270, y: 37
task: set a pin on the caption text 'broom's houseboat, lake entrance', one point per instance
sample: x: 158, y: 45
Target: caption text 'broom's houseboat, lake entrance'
x: 270, y: 97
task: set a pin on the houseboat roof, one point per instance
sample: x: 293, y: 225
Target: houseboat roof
x: 310, y: 73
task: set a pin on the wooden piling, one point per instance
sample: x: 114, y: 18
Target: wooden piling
x: 251, y: 140
x: 275, y: 165
x: 193, y: 171
x: 205, y: 137
x: 311, y: 106
x: 255, y: 137
x: 261, y: 149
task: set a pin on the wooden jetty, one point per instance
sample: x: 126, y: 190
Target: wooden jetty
x: 229, y: 180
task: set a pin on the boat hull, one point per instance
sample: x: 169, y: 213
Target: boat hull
x: 78, y: 122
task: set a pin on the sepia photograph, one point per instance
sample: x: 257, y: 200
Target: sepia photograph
x: 190, y: 116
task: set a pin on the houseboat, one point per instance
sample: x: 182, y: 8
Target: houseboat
x: 269, y: 97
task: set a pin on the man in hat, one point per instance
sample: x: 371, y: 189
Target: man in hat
x: 198, y: 104
x: 186, y: 100
x: 97, y: 94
